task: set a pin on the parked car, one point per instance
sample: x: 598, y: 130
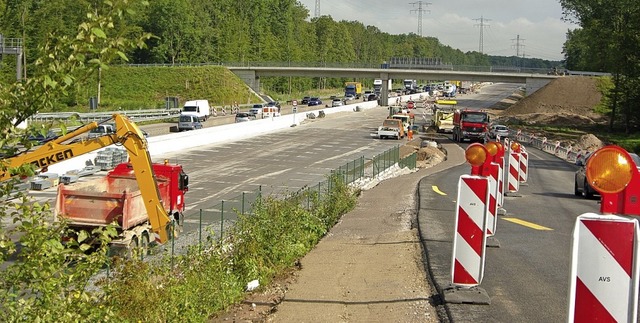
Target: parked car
x: 256, y: 110
x: 244, y: 117
x: 314, y: 101
x: 336, y: 103
x: 499, y: 130
x: 305, y: 100
x: 581, y: 186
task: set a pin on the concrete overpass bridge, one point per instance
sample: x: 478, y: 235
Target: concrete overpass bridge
x: 252, y: 74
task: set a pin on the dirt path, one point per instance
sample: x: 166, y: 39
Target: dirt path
x: 365, y: 273
x: 369, y: 268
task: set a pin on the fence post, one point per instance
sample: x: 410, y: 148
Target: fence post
x: 221, y: 219
x: 242, y: 209
x: 200, y: 232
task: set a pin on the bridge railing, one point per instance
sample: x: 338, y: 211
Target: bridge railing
x: 397, y: 65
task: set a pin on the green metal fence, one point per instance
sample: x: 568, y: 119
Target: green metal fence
x: 385, y: 160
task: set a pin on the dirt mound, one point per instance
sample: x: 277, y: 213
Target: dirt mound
x: 550, y: 119
x: 589, y: 142
x: 576, y: 95
x: 564, y: 101
x: 428, y: 153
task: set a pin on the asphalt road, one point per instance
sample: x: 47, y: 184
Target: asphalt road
x: 527, y: 277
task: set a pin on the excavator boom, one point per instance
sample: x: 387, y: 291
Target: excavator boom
x: 130, y: 137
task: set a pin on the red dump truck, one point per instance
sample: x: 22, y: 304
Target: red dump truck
x: 471, y: 125
x: 118, y: 198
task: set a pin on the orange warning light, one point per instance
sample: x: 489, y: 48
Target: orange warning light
x: 493, y: 147
x: 610, y: 170
x: 476, y: 154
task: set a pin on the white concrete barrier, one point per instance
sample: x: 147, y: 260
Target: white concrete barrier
x: 160, y: 145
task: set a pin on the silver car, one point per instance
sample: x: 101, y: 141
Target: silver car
x: 499, y: 130
x: 336, y: 103
x: 244, y: 117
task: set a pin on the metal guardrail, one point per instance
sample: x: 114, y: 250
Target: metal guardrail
x: 134, y: 115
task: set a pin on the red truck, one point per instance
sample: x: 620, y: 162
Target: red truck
x: 470, y: 124
x: 118, y: 198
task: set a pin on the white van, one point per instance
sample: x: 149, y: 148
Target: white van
x: 198, y: 108
x: 188, y: 122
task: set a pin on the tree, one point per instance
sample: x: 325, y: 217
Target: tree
x: 608, y: 41
x: 46, y: 280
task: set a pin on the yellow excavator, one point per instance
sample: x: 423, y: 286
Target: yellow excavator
x: 158, y: 219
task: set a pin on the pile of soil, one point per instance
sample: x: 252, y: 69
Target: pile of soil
x: 588, y: 142
x: 565, y: 101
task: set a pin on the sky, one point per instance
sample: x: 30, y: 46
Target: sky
x: 456, y: 23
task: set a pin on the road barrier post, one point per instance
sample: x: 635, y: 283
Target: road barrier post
x: 605, y: 263
x: 513, y: 176
x: 524, y: 167
x: 604, y: 269
x: 470, y: 238
x: 492, y: 172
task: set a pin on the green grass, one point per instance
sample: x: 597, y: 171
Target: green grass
x: 133, y: 88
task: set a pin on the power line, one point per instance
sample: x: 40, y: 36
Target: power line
x: 420, y: 11
x: 481, y: 25
x: 317, y: 12
x: 518, y: 45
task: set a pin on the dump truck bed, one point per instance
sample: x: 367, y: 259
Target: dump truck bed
x: 104, y: 201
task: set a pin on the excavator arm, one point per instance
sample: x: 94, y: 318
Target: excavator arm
x: 128, y: 135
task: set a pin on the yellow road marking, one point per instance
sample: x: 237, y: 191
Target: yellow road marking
x: 437, y: 190
x: 528, y: 224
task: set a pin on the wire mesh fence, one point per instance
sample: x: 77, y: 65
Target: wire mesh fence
x: 214, y: 222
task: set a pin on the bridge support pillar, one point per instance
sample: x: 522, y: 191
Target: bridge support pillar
x: 250, y: 78
x: 384, y: 93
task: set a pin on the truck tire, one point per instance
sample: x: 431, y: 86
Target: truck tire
x: 132, y: 248
x: 144, y: 244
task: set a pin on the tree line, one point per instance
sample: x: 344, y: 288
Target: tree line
x: 204, y: 31
x: 608, y: 40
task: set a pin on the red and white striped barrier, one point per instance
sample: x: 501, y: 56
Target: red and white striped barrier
x: 524, y: 166
x: 500, y: 197
x: 513, y: 177
x: 492, y: 213
x: 604, y: 269
x: 470, y: 240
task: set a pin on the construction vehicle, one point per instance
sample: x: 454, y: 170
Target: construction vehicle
x: 406, y: 118
x: 442, y: 117
x: 391, y: 128
x: 152, y: 205
x: 353, y: 88
x: 470, y: 124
